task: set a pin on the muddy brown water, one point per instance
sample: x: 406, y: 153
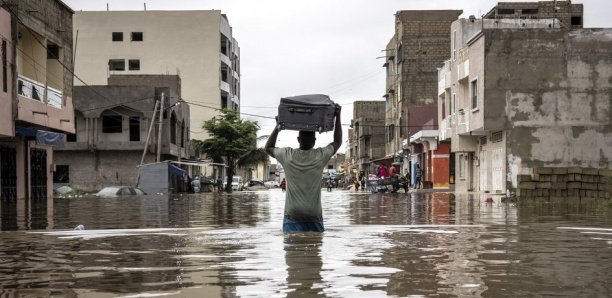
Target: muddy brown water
x: 375, y: 245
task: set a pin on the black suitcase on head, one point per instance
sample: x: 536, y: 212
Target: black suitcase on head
x: 312, y: 112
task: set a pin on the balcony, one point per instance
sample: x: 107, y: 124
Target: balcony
x: 34, y: 90
x: 225, y: 87
x: 444, y: 78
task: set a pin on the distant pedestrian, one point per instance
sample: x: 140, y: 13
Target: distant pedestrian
x: 363, y: 182
x: 417, y: 177
x: 283, y: 185
x: 382, y: 171
x: 219, y: 184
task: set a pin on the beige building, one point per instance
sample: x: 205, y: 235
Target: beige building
x: 196, y: 45
x: 35, y: 101
x: 522, y: 94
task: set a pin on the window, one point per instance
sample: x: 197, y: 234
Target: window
x: 4, y: 67
x: 137, y: 36
x: 443, y: 107
x: 391, y: 132
x: 454, y: 103
x: 52, y: 51
x: 116, y: 64
x: 505, y: 11
x: 454, y: 45
x: 183, y: 134
x: 117, y: 36
x: 496, y: 137
x: 576, y: 21
x: 460, y: 164
x: 112, y: 124
x: 61, y: 174
x: 134, y: 64
x: 72, y: 137
x: 224, y: 101
x: 529, y: 11
x: 474, y: 90
x: 134, y: 129
x: 173, y: 129
x: 483, y: 141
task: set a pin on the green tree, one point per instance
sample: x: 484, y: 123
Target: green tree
x: 231, y: 139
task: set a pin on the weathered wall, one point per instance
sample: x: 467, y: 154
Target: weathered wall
x: 425, y: 39
x: 93, y: 170
x: 552, y: 91
x: 6, y: 98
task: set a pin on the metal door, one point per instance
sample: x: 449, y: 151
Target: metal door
x: 497, y: 169
x: 8, y: 174
x: 38, y: 175
x: 483, y: 170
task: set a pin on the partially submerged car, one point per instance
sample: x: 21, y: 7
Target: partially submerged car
x: 119, y: 191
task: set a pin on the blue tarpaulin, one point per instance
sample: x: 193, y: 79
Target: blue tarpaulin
x: 176, y: 171
x: 42, y: 137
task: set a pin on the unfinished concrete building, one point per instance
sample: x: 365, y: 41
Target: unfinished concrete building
x: 368, y: 125
x: 420, y: 44
x: 527, y: 99
x: 112, y: 125
x: 568, y: 15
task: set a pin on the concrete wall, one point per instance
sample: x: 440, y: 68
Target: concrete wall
x: 425, y: 40
x: 93, y: 170
x: 186, y: 43
x: 552, y: 91
x: 7, y: 127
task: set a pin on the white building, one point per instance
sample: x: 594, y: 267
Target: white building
x: 197, y: 45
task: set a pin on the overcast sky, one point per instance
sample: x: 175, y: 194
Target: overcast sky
x: 293, y: 47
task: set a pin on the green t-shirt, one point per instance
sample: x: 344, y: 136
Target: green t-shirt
x: 303, y: 171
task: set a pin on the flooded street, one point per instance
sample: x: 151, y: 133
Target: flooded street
x: 375, y: 245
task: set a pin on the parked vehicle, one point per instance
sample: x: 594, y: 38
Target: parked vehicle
x: 272, y: 184
x: 119, y: 191
x: 254, y: 182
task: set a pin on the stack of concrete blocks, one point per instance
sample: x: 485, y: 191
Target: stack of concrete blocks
x: 561, y: 182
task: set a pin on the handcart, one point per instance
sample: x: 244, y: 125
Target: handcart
x: 387, y: 184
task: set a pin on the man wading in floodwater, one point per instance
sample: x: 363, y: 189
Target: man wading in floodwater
x: 303, y: 169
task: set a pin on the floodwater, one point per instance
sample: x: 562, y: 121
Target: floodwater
x: 375, y: 245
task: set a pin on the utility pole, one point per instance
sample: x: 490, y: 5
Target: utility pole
x: 159, y: 132
x: 149, y: 133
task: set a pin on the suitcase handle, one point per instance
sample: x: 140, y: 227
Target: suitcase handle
x: 298, y: 110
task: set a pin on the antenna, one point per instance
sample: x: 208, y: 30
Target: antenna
x: 106, y: 6
x: 145, y: 6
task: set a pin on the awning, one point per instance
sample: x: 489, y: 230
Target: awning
x: 176, y: 171
x: 42, y: 137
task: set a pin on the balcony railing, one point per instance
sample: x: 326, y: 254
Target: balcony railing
x: 54, y: 97
x: 34, y: 90
x: 30, y: 89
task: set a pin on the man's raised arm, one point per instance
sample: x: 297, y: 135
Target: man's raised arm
x: 271, y: 143
x: 337, y: 130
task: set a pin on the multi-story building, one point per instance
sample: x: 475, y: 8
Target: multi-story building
x: 196, y: 45
x: 525, y: 93
x: 419, y: 45
x: 112, y: 129
x: 35, y: 99
x: 368, y: 125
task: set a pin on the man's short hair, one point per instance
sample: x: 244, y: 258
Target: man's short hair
x: 306, y: 134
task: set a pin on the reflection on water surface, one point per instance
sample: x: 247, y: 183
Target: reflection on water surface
x: 375, y: 245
